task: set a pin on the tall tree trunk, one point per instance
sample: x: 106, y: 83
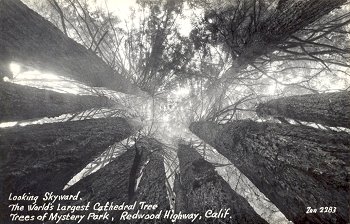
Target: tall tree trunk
x: 108, y: 184
x: 203, y: 189
x: 332, y: 109
x: 151, y: 188
x: 43, y: 158
x: 28, y: 39
x: 112, y: 183
x: 290, y: 17
x: 19, y: 102
x: 295, y: 167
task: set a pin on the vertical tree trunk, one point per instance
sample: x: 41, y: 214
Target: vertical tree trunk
x: 43, y: 158
x: 151, y: 188
x: 19, y: 102
x: 203, y: 189
x: 27, y: 38
x: 295, y: 167
x: 117, y: 181
x: 332, y: 109
x: 109, y: 184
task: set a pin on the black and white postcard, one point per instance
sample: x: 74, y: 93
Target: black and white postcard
x: 174, y: 111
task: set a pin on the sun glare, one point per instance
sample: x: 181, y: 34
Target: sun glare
x: 8, y: 124
x: 15, y: 68
x: 44, y: 80
x: 35, y: 74
x: 182, y: 91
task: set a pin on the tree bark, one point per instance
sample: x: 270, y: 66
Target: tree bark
x: 331, y: 109
x: 113, y: 182
x: 19, y: 102
x: 288, y: 18
x: 152, y: 187
x: 27, y: 38
x: 202, y: 189
x: 295, y: 167
x: 108, y: 184
x: 43, y: 158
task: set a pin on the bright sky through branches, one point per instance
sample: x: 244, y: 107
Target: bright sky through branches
x: 121, y: 8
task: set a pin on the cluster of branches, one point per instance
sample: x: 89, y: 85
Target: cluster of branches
x: 249, y: 44
x: 155, y: 52
x: 147, y: 48
x: 242, y: 50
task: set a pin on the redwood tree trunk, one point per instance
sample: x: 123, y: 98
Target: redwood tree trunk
x: 290, y: 17
x: 202, y: 189
x: 295, y: 167
x: 109, y: 184
x: 332, y: 109
x: 43, y: 158
x: 151, y: 188
x: 29, y: 39
x: 116, y: 182
x: 19, y: 102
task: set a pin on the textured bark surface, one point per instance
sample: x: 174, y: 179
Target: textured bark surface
x: 116, y: 182
x: 43, y: 158
x: 19, y: 102
x: 28, y: 39
x: 295, y: 167
x: 290, y: 17
x: 332, y: 109
x: 203, y: 189
x: 109, y: 184
x: 151, y: 188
